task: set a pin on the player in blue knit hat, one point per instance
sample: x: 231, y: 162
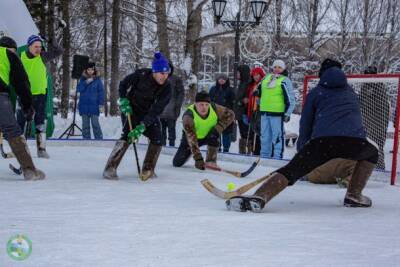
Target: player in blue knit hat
x: 144, y: 95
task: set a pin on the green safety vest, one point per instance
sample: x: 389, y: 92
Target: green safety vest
x: 4, y: 66
x: 272, y: 99
x: 203, y: 126
x: 37, y: 74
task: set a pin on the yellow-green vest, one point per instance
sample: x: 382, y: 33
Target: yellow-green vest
x: 4, y: 66
x: 203, y: 126
x: 36, y: 70
x: 272, y: 99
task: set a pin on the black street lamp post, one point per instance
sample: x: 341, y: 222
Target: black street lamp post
x: 258, y: 7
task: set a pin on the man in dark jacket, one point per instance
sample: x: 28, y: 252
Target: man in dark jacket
x: 240, y: 105
x: 172, y: 110
x: 12, y: 73
x: 222, y: 94
x: 330, y: 127
x: 143, y: 96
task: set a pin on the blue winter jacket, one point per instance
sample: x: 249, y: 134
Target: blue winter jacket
x: 91, y: 96
x: 331, y: 109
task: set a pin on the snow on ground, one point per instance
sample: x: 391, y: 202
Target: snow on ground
x: 76, y: 218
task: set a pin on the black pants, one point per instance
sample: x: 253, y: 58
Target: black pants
x: 184, y: 152
x: 243, y: 129
x: 320, y: 150
x: 168, y: 124
x: 39, y: 105
x: 153, y: 132
x: 8, y: 124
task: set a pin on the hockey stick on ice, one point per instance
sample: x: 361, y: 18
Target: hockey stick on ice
x: 235, y: 173
x: 227, y: 195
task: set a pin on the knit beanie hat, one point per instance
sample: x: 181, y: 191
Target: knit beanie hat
x: 328, y: 63
x: 279, y: 63
x: 8, y: 42
x: 160, y: 63
x: 202, y: 96
x: 32, y: 39
x: 259, y: 71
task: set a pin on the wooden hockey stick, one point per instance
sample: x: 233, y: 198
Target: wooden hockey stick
x: 241, y: 190
x: 234, y: 173
x: 134, y: 144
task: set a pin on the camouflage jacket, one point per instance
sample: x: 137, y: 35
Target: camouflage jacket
x: 225, y: 118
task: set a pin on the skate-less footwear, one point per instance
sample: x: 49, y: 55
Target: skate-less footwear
x: 242, y: 146
x: 268, y: 190
x: 110, y: 171
x: 245, y: 203
x: 361, y: 174
x: 212, y: 153
x: 21, y: 151
x: 41, y: 145
x: 150, y: 161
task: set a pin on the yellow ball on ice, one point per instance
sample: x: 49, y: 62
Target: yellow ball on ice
x: 231, y: 186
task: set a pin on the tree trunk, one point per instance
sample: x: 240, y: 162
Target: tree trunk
x: 193, y: 29
x: 139, y: 32
x: 66, y: 60
x: 105, y: 59
x: 51, y: 34
x: 114, y: 58
x: 278, y: 11
x: 162, y: 29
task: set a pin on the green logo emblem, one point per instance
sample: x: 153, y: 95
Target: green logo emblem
x: 19, y: 247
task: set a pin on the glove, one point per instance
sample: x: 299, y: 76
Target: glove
x: 136, y: 133
x: 89, y: 80
x: 199, y: 162
x: 125, y: 106
x: 286, y: 118
x: 29, y: 113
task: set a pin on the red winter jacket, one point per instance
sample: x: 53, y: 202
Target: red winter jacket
x: 251, y: 106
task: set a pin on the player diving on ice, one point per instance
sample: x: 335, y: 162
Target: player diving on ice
x: 330, y: 127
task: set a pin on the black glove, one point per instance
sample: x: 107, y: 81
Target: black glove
x: 29, y: 113
x: 286, y: 118
x: 199, y: 162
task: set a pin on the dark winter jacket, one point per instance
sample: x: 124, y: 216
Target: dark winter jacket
x: 331, y: 109
x: 91, y: 96
x: 173, y: 109
x: 222, y: 95
x: 239, y: 107
x: 18, y: 80
x: 148, y: 98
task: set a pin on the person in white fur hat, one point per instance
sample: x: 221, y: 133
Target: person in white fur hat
x: 277, y: 103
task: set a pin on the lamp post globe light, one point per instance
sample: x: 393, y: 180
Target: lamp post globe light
x: 258, y: 8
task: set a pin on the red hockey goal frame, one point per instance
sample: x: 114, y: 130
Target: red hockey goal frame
x: 393, y: 174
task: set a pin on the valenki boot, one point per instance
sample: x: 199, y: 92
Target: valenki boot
x: 21, y: 151
x: 110, y: 171
x: 361, y: 174
x: 150, y: 161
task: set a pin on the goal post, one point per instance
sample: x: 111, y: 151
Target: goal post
x: 379, y: 98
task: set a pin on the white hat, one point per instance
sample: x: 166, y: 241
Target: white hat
x: 279, y: 63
